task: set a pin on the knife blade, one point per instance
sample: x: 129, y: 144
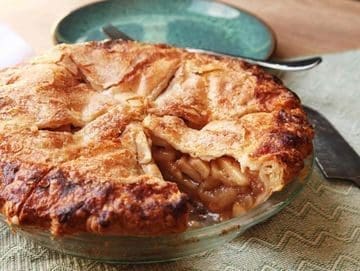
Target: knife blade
x: 333, y: 154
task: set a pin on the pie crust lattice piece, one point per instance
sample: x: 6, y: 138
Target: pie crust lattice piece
x: 117, y: 137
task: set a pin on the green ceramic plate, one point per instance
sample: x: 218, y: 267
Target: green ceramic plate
x: 185, y: 23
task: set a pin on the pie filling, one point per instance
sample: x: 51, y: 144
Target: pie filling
x: 217, y: 188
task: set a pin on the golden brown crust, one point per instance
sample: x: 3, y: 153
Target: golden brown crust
x: 76, y: 123
x: 54, y: 201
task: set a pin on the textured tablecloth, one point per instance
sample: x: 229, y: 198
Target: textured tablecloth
x: 319, y: 230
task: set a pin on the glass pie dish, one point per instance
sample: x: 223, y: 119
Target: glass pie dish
x: 129, y: 249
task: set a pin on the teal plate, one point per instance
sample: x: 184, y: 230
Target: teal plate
x: 184, y: 23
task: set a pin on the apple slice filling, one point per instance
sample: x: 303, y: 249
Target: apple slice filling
x: 218, y: 184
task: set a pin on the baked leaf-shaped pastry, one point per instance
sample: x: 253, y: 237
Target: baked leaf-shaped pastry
x: 117, y: 137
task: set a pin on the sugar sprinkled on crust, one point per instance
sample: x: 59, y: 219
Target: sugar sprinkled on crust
x: 76, y: 128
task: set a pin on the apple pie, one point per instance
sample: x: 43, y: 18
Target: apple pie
x: 124, y: 138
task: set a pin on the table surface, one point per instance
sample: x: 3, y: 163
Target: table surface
x: 302, y: 27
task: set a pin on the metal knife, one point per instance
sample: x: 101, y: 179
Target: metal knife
x: 295, y: 65
x: 334, y: 156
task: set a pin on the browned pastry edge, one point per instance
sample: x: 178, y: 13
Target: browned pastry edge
x: 49, y: 200
x: 289, y: 147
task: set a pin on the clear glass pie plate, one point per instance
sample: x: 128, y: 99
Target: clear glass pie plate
x: 126, y: 249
